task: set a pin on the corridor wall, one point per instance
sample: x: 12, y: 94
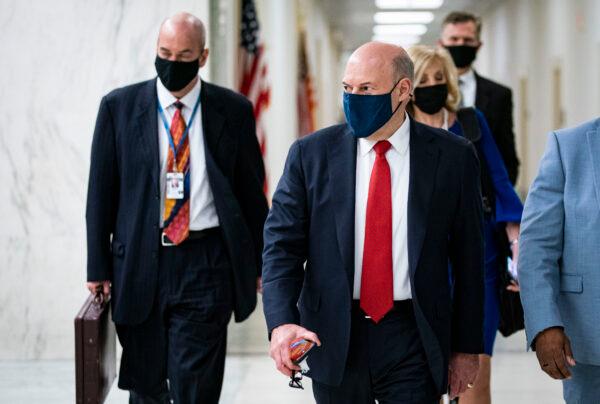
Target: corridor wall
x: 548, y: 52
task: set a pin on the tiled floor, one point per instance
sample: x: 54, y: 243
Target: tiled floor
x: 251, y: 379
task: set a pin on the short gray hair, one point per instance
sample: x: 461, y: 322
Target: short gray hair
x: 403, y: 67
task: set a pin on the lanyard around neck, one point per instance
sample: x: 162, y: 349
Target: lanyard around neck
x: 185, y: 132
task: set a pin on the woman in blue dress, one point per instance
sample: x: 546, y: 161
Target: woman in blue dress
x: 435, y: 103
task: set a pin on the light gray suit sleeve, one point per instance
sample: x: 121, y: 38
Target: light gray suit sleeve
x: 541, y: 244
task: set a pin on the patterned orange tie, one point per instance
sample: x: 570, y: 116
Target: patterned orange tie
x: 177, y: 211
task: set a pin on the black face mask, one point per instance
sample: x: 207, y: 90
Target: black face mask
x: 463, y: 55
x: 176, y: 75
x: 431, y: 99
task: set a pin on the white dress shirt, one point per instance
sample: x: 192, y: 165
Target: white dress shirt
x: 398, y: 158
x: 203, y: 214
x: 468, y: 88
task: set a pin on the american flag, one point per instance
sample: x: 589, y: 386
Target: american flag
x: 254, y: 83
x: 306, y: 100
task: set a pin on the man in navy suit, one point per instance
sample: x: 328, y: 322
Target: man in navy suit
x: 175, y: 213
x: 364, y: 221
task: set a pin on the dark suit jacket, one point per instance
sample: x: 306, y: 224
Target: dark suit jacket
x: 495, y: 101
x: 312, y: 222
x: 123, y: 206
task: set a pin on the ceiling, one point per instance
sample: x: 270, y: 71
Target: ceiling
x: 352, y: 20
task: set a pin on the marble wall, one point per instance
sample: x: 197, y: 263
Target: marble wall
x: 58, y: 59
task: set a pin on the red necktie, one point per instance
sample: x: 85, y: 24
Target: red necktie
x: 376, y: 287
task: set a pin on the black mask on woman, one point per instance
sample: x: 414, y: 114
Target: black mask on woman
x: 176, y: 75
x: 431, y: 99
x: 463, y: 55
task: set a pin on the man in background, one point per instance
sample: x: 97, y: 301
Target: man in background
x: 461, y: 35
x: 175, y: 212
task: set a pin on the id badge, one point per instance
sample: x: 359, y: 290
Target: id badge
x: 174, y: 185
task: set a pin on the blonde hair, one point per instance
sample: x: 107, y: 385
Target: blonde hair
x: 422, y: 56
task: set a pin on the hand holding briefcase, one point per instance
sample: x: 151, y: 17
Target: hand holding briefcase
x: 95, y: 350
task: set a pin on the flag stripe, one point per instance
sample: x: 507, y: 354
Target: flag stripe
x: 254, y: 83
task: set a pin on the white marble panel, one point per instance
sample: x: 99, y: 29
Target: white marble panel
x: 58, y: 59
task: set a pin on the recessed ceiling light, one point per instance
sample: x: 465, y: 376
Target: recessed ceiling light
x: 403, y: 17
x: 403, y: 29
x: 409, y: 4
x: 400, y: 40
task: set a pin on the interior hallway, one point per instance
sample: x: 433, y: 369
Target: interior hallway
x: 547, y: 51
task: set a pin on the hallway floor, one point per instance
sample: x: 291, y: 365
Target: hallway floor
x: 251, y: 379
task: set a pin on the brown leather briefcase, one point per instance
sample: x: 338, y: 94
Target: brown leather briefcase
x: 95, y: 351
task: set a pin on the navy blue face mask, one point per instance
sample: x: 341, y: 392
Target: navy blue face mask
x: 367, y: 113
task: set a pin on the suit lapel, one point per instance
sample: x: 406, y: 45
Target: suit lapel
x: 213, y: 120
x: 482, y: 96
x: 341, y: 155
x: 146, y: 118
x: 593, y: 138
x: 423, y: 166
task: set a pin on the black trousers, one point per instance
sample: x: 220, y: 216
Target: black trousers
x: 386, y: 362
x: 178, y: 352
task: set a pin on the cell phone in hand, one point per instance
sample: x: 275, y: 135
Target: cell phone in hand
x: 299, y: 349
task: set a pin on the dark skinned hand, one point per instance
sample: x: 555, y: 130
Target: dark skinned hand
x: 553, y: 350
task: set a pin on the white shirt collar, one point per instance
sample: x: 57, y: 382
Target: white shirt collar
x: 468, y: 76
x: 399, y: 140
x: 167, y: 99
